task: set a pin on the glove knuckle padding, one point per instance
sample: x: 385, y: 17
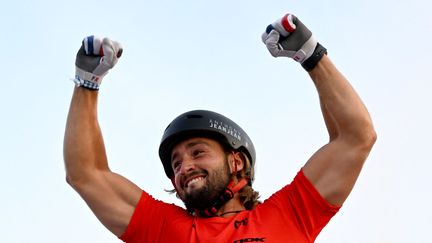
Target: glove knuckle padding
x: 297, y: 38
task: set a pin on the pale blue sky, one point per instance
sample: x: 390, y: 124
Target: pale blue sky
x: 183, y: 55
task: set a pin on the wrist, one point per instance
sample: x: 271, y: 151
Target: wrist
x: 316, y: 56
x: 87, y: 80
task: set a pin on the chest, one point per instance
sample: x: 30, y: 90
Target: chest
x: 245, y: 227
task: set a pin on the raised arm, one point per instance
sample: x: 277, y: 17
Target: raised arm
x: 334, y: 168
x: 111, y: 197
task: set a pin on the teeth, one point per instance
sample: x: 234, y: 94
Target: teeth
x: 194, y: 180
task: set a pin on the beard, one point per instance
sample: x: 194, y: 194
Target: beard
x: 205, y: 196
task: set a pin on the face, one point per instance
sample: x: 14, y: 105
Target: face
x: 201, y: 171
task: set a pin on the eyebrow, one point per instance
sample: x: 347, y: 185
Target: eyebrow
x: 190, y: 145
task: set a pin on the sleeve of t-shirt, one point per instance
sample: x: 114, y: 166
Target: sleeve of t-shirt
x: 148, y: 219
x: 302, y: 201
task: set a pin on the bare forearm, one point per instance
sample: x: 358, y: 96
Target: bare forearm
x: 84, y: 149
x: 344, y: 112
x: 331, y: 125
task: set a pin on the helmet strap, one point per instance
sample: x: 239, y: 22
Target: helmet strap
x: 225, y: 196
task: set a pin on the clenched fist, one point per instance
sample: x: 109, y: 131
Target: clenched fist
x: 94, y: 59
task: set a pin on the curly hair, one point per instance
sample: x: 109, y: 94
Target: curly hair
x: 248, y: 196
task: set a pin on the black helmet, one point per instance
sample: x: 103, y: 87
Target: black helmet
x: 202, y: 123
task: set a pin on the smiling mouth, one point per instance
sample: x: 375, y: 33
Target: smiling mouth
x: 193, y: 181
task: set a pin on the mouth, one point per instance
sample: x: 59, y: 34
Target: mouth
x: 193, y: 180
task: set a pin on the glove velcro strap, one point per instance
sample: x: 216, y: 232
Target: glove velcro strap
x: 87, y: 80
x: 85, y: 83
x: 312, y: 61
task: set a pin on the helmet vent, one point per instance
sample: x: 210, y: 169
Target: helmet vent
x: 194, y: 116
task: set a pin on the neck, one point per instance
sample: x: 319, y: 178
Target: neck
x: 231, y: 208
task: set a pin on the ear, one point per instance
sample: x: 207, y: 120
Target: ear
x: 235, y: 161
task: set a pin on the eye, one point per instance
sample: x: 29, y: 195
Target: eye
x: 197, y: 153
x: 176, y: 165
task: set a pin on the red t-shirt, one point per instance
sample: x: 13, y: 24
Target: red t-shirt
x: 297, y: 213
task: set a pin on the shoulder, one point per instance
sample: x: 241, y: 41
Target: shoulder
x: 148, y: 205
x: 151, y: 214
x: 297, y: 195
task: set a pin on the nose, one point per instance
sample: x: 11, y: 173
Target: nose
x: 187, y: 166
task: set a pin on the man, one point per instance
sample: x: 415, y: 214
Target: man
x: 210, y: 159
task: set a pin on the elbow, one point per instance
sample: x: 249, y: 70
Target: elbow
x: 370, y: 135
x: 72, y: 182
x: 367, y: 138
x: 76, y: 182
x: 373, y: 137
x: 363, y: 139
